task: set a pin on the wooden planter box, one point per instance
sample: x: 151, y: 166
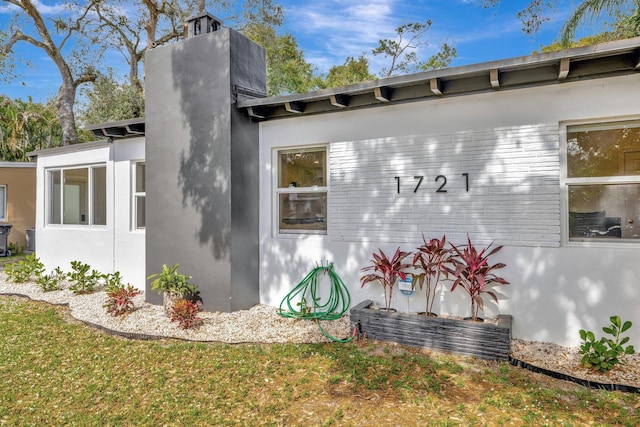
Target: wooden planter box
x: 484, y: 340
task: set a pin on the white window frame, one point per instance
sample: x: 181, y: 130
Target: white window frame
x: 90, y: 208
x: 4, y: 214
x: 135, y: 195
x: 275, y: 161
x: 566, y: 182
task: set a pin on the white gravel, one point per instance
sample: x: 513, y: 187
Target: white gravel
x: 262, y: 324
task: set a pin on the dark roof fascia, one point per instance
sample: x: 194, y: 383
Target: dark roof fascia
x: 600, y: 60
x: 73, y: 148
x: 121, y: 129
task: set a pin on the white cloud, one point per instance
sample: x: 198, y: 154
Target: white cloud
x: 44, y: 9
x: 335, y: 29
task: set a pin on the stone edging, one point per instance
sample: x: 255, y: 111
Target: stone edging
x: 580, y: 381
x: 513, y: 361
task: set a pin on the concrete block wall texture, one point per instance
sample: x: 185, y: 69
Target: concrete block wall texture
x: 201, y: 158
x: 501, y: 184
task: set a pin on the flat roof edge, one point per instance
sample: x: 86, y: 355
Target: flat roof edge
x: 70, y: 148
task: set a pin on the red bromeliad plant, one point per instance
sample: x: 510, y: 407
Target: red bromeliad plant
x: 120, y: 299
x: 431, y: 259
x: 473, y: 273
x: 185, y: 312
x: 386, y: 272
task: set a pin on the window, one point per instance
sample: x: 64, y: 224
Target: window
x: 301, y: 191
x: 77, y: 196
x: 3, y: 202
x: 139, y: 196
x: 603, y: 181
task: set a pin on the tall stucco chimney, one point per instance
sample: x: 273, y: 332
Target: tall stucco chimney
x: 202, y: 163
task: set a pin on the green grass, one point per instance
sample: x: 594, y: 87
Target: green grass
x: 57, y: 372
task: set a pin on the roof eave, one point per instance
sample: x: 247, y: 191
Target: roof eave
x: 600, y: 60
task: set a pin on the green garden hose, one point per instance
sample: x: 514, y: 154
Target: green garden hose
x: 305, y: 297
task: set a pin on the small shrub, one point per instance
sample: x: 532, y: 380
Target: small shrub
x: 120, y: 299
x: 431, y: 260
x: 386, y: 272
x: 604, y: 354
x: 473, y: 273
x: 169, y: 280
x: 185, y: 312
x: 113, y: 280
x: 83, y: 281
x: 15, y: 248
x: 51, y: 282
x: 25, y: 270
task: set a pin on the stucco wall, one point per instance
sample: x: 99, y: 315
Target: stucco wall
x: 21, y: 200
x: 509, y: 142
x: 106, y: 248
x: 202, y: 187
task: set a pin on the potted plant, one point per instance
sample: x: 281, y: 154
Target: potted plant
x: 431, y: 260
x: 473, y: 273
x: 386, y: 272
x: 486, y: 340
x: 173, y: 285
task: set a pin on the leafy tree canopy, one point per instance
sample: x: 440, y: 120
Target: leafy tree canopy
x: 27, y: 126
x: 108, y: 100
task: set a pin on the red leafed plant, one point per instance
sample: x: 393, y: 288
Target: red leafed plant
x: 431, y: 259
x: 185, y: 312
x: 120, y: 299
x: 473, y: 273
x: 386, y: 272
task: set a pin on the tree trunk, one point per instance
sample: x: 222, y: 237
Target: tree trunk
x: 64, y: 103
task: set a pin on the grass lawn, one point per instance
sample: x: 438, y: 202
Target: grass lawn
x: 54, y: 371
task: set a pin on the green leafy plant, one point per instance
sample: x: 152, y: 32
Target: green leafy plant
x: 604, y: 354
x: 51, y: 282
x: 169, y: 280
x: 120, y: 298
x: 83, y: 281
x: 185, y: 312
x: 386, y: 272
x: 25, y: 270
x: 473, y: 273
x: 15, y: 248
x: 431, y: 260
x: 113, y: 280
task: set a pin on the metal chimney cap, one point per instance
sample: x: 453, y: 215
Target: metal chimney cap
x: 203, y: 15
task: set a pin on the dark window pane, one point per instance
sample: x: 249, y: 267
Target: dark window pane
x: 302, y: 168
x: 54, y: 197
x: 76, y: 196
x: 603, y: 150
x: 604, y: 211
x: 100, y: 196
x: 140, y: 212
x: 140, y: 180
x: 302, y: 212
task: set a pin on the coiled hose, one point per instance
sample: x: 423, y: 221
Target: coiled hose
x: 305, y: 297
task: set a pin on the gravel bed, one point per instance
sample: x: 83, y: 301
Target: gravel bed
x: 262, y: 324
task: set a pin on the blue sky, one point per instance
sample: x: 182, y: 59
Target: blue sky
x: 330, y: 30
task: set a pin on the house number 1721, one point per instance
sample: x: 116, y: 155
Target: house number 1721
x: 441, y: 180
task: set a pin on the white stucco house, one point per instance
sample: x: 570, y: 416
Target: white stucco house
x: 540, y: 154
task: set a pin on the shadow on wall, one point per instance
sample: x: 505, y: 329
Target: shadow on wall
x: 513, y: 199
x: 204, y: 175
